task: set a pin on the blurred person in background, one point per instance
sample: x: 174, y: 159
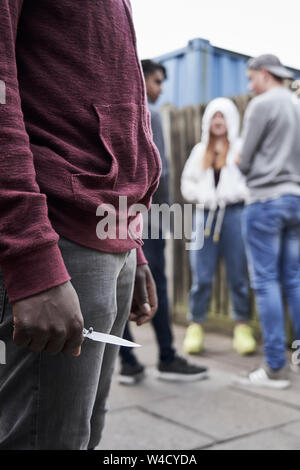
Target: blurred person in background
x: 212, y: 178
x: 170, y: 366
x: 270, y: 160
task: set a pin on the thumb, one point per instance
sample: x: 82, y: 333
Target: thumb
x: 145, y: 308
x: 77, y: 352
x: 142, y: 297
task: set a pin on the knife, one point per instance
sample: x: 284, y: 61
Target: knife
x: 110, y: 339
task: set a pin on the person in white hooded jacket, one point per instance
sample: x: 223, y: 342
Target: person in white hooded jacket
x: 212, y: 178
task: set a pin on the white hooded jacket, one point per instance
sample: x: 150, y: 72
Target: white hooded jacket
x: 198, y: 184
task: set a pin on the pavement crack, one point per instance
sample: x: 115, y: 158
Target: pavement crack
x: 172, y: 421
x: 268, y: 399
x: 248, y: 434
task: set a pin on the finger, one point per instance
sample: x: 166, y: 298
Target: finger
x: 141, y: 294
x: 134, y: 307
x: 77, y: 352
x: 146, y: 308
x: 153, y: 299
x: 21, y: 336
x: 55, y: 345
x: 142, y: 319
x: 38, y: 343
x: 152, y: 293
x: 145, y: 317
x: 132, y: 317
x: 73, y: 344
x: 137, y: 314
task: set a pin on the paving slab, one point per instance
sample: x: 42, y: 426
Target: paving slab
x: 292, y: 429
x: 268, y: 440
x: 290, y: 396
x: 206, y: 414
x: 223, y: 413
x: 147, y: 391
x: 135, y: 429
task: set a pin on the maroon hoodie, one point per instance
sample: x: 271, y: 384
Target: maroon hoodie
x: 74, y: 133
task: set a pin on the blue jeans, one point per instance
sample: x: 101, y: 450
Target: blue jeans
x: 272, y: 235
x: 204, y: 263
x: 154, y: 252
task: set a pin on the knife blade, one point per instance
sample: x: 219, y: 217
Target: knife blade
x: 106, y: 338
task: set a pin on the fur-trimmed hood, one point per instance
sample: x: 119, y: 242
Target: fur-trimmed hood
x: 230, y: 113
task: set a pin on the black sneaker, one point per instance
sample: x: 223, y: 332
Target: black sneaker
x: 181, y: 370
x: 131, y: 374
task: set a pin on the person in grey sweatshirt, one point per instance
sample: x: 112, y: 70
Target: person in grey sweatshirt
x: 270, y: 160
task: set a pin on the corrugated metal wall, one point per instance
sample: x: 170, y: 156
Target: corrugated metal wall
x: 201, y: 72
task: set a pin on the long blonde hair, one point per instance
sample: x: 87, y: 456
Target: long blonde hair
x: 214, y: 159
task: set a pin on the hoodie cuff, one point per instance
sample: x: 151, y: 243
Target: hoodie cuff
x: 34, y: 272
x: 140, y: 257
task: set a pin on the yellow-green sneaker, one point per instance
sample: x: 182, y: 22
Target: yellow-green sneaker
x: 194, y: 339
x: 243, y: 340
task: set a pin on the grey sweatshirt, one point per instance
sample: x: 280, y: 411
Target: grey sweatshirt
x: 270, y: 157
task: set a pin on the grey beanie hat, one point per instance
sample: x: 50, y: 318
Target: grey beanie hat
x: 272, y: 64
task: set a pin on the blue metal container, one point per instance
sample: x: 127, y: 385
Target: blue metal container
x: 200, y: 72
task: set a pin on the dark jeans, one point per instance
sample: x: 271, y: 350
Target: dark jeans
x: 154, y: 252
x: 60, y: 402
x: 272, y: 234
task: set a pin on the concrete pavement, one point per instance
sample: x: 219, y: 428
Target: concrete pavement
x: 211, y: 414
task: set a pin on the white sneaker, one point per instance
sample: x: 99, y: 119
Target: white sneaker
x: 266, y: 378
x: 295, y: 368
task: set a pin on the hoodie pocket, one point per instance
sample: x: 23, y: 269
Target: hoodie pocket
x: 135, y: 163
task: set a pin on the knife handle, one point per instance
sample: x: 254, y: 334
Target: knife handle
x: 86, y: 332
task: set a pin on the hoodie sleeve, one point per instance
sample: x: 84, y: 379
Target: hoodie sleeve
x: 254, y: 128
x: 190, y: 175
x: 29, y: 255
